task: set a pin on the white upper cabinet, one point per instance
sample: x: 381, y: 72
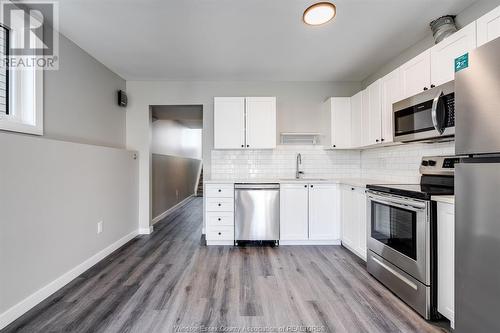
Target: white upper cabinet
x: 324, y: 217
x: 375, y: 113
x: 443, y: 55
x: 294, y: 212
x: 392, y: 92
x: 356, y: 120
x: 229, y: 122
x: 416, y: 74
x: 488, y: 27
x: 365, y: 118
x: 261, y: 122
x: 338, y: 119
x: 244, y: 123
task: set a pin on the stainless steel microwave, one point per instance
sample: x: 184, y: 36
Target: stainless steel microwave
x: 429, y: 115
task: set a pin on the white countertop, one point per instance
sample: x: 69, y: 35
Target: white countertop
x: 449, y: 199
x: 356, y: 182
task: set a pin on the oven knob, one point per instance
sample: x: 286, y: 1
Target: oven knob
x: 432, y: 163
x: 425, y: 163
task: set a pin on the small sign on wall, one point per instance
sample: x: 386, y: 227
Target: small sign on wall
x: 462, y: 62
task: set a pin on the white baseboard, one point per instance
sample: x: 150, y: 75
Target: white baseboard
x: 29, y: 302
x: 361, y: 255
x: 218, y: 242
x: 309, y: 242
x: 145, y: 231
x: 171, y: 209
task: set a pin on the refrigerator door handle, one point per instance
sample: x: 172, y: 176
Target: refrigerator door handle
x: 435, y: 105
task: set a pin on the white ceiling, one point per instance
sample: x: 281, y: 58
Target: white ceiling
x: 247, y: 39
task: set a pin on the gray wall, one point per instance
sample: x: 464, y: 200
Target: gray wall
x: 469, y: 15
x: 298, y: 103
x: 80, y: 102
x: 52, y: 195
x: 173, y: 180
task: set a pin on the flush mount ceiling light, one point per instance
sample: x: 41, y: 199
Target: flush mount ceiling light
x: 319, y: 13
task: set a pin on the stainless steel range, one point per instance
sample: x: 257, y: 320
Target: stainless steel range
x: 402, y: 234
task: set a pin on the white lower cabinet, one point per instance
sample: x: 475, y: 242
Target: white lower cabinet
x: 219, y: 214
x: 354, y: 228
x: 294, y: 210
x: 309, y: 214
x: 446, y: 260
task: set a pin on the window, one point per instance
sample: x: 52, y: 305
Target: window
x: 21, y: 87
x: 4, y: 71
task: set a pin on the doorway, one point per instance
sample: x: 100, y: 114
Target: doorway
x: 176, y: 157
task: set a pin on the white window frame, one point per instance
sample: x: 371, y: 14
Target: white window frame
x: 25, y: 92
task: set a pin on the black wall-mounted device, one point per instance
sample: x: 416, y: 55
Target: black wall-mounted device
x: 122, y: 98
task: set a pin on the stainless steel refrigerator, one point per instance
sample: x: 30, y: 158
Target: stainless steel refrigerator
x: 477, y: 192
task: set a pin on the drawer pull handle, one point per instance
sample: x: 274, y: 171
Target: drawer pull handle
x: 220, y: 234
x: 219, y: 219
x: 220, y: 190
x: 219, y: 205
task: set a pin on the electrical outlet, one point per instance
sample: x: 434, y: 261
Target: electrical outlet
x: 99, y: 227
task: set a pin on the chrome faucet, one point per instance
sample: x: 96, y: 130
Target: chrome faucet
x: 297, y: 171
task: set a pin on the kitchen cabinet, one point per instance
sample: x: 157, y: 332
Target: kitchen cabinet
x: 229, y: 122
x: 354, y: 229
x: 392, y: 92
x: 337, y: 119
x: 260, y: 122
x: 244, y: 122
x: 323, y: 209
x: 219, y: 214
x: 374, y: 113
x: 446, y: 260
x: 309, y: 214
x: 294, y: 207
x: 443, y: 55
x: 488, y: 27
x: 356, y: 120
x: 416, y: 74
x: 365, y: 118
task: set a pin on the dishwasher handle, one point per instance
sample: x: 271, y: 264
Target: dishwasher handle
x: 256, y: 186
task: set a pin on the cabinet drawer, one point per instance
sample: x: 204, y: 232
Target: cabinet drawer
x: 218, y: 219
x: 220, y: 205
x: 219, y: 191
x: 220, y: 233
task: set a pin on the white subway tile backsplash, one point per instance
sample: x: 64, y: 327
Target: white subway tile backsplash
x: 396, y: 163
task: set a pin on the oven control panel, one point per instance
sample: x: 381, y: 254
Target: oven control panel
x: 438, y: 165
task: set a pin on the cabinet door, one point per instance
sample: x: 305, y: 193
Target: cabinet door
x: 360, y: 206
x: 375, y: 113
x: 391, y: 93
x: 488, y: 27
x: 323, y: 212
x: 443, y: 55
x: 349, y: 218
x: 356, y: 120
x: 261, y: 122
x: 365, y: 118
x: 229, y: 122
x: 416, y: 74
x: 294, y: 212
x: 341, y: 122
x: 446, y: 259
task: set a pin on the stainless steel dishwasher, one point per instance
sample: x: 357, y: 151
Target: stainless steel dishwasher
x: 257, y: 212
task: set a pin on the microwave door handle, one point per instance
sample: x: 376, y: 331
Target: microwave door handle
x: 435, y: 104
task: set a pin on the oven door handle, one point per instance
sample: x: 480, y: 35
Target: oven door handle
x: 415, y: 206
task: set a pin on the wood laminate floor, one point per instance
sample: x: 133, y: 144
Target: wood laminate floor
x: 170, y: 282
